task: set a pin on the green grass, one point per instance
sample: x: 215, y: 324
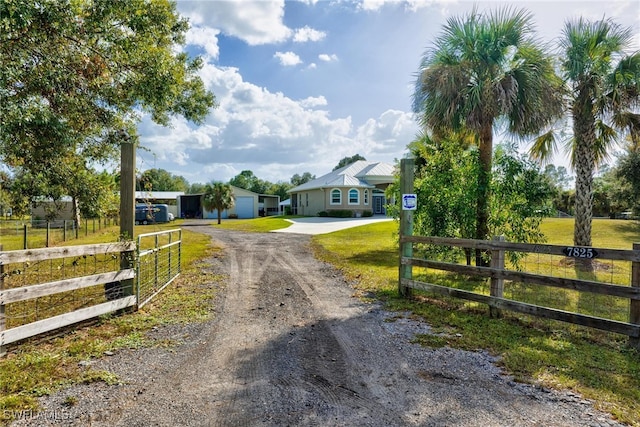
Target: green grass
x: 596, y: 364
x: 39, y: 367
x: 255, y: 225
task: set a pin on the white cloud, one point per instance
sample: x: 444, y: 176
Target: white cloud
x: 311, y: 102
x: 288, y: 59
x: 308, y: 34
x: 328, y: 58
x: 206, y: 38
x: 268, y: 133
x: 255, y: 22
x: 410, y: 5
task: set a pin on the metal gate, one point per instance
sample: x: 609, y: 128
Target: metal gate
x: 159, y: 256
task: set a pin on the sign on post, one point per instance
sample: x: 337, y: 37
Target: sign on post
x: 409, y: 202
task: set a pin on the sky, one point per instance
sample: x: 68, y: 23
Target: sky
x: 300, y: 85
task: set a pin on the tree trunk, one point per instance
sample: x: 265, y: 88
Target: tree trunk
x: 219, y: 215
x: 76, y: 212
x: 584, y: 159
x: 484, y: 181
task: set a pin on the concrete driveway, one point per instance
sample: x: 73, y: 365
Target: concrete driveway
x: 323, y: 225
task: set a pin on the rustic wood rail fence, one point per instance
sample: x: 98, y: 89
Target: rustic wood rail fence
x: 25, y: 293
x: 498, y: 273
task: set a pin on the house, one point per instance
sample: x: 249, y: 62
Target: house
x: 358, y: 187
x: 247, y: 205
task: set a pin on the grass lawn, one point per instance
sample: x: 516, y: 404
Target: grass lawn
x: 596, y: 364
x: 255, y: 225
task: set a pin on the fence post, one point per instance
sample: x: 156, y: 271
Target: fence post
x: 24, y: 237
x: 127, y: 204
x: 48, y: 232
x: 64, y: 230
x: 406, y: 225
x: 497, y: 284
x: 3, y: 349
x: 634, y: 306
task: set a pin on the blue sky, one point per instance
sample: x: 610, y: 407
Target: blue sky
x: 302, y: 84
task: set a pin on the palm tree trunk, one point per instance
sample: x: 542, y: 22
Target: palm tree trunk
x: 219, y: 215
x: 484, y: 181
x: 584, y: 162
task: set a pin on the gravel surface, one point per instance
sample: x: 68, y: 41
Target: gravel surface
x: 290, y: 345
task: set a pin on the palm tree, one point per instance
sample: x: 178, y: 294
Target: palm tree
x: 486, y: 70
x: 604, y: 87
x: 218, y: 196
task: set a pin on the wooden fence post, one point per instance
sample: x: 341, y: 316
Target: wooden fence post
x: 48, y: 234
x: 406, y: 225
x: 127, y: 204
x: 634, y: 306
x: 497, y: 284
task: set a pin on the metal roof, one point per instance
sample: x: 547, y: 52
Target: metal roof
x: 354, y: 175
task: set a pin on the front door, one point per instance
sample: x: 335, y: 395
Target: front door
x: 378, y: 204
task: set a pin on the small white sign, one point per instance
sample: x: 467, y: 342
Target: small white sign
x: 409, y: 202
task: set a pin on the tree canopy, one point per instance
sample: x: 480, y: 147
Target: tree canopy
x: 161, y: 180
x: 77, y: 75
x: 348, y: 160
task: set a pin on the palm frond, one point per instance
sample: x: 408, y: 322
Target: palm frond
x: 544, y: 147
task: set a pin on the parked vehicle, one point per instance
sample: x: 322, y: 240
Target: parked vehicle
x: 149, y: 214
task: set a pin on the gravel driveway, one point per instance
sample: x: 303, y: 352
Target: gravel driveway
x: 290, y: 345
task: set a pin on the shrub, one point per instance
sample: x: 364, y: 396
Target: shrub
x: 233, y: 216
x: 367, y: 213
x: 323, y: 213
x: 340, y: 213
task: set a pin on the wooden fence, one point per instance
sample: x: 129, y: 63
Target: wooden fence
x: 498, y: 274
x: 21, y: 260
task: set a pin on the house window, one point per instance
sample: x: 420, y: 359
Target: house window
x: 354, y: 197
x: 366, y: 197
x: 336, y: 197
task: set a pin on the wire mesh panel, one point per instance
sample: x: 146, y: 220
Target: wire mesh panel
x: 158, y: 262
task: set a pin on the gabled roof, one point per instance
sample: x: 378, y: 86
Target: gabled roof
x: 358, y: 174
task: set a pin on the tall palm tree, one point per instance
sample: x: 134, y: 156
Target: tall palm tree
x: 218, y: 196
x: 604, y: 87
x: 485, y: 70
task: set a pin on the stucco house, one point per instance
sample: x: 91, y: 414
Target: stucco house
x: 358, y: 187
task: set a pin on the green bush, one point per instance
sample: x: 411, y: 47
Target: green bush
x: 340, y: 213
x: 367, y: 213
x: 323, y: 213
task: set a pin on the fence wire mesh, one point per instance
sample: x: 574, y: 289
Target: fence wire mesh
x: 24, y: 274
x: 158, y: 262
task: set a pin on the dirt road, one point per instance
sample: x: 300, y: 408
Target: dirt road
x: 291, y: 346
